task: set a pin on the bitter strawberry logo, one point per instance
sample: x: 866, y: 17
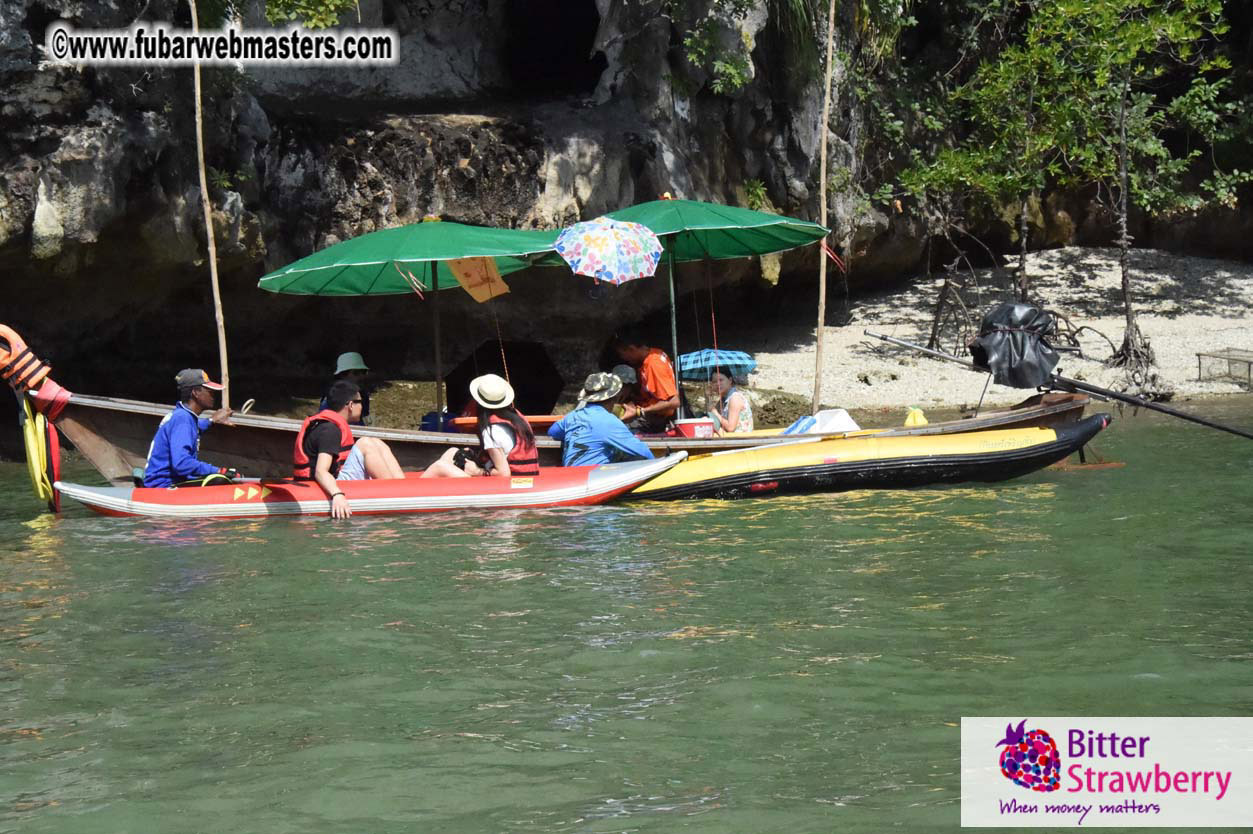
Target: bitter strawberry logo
x: 1030, y: 758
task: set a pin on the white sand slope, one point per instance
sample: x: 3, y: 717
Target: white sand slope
x: 1184, y: 305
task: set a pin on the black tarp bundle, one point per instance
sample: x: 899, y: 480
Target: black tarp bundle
x: 1012, y: 344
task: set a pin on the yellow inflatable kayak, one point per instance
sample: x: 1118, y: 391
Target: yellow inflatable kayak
x: 869, y: 461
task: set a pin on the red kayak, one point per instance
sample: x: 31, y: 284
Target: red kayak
x: 553, y: 487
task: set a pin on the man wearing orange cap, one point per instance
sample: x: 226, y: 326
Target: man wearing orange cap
x: 173, y: 457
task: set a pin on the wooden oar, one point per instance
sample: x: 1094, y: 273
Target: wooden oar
x: 1065, y: 383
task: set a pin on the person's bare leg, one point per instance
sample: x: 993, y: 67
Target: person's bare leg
x: 378, y: 458
x: 444, y: 467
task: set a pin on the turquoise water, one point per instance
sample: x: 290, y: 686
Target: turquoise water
x: 791, y: 665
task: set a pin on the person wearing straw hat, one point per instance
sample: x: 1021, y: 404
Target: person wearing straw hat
x: 591, y: 434
x: 508, y: 441
x: 351, y: 366
x: 173, y: 456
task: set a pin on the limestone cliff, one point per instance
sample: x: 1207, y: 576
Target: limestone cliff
x: 526, y: 113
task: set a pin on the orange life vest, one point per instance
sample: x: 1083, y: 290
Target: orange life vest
x: 19, y: 367
x: 303, y: 464
x: 523, y: 457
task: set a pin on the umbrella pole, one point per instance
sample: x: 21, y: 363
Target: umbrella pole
x: 822, y: 214
x: 674, y: 334
x: 439, y: 369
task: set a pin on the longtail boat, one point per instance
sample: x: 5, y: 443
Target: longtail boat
x: 114, y: 434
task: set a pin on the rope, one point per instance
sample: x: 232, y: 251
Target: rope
x: 713, y: 320
x: 830, y: 253
x: 414, y: 284
x: 500, y: 342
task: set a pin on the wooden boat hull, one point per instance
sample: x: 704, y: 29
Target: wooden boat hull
x: 875, y: 461
x: 114, y: 435
x: 555, y: 487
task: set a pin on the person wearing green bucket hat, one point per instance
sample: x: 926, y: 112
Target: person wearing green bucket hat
x: 591, y: 434
x: 352, y: 367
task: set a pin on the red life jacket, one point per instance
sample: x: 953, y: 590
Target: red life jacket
x: 303, y: 464
x: 523, y: 458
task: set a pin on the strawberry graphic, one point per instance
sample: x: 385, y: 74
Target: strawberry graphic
x: 1030, y: 759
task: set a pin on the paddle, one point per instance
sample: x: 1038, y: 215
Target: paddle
x: 1065, y: 383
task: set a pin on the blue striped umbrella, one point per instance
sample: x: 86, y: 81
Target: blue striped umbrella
x: 701, y: 364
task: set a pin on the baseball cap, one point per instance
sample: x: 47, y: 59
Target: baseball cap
x: 191, y: 377
x: 625, y: 373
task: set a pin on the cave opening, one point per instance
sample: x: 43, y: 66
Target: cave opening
x: 535, y: 379
x: 549, y: 50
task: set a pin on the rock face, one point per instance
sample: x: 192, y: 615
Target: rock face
x: 518, y: 113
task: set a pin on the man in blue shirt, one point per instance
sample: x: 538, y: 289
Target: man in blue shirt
x: 173, y: 455
x: 591, y: 434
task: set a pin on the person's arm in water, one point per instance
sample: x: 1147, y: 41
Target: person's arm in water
x: 322, y: 474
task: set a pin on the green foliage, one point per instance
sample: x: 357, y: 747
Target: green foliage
x: 219, y: 180
x: 312, y: 14
x: 1042, y: 110
x: 795, y: 21
x: 879, y: 25
x: 755, y: 194
x: 729, y: 69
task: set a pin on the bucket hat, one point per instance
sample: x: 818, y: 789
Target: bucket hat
x: 599, y: 387
x: 350, y: 361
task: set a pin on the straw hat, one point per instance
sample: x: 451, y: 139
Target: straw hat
x: 599, y: 387
x: 491, y: 391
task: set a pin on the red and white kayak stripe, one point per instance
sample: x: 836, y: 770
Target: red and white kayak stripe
x: 552, y: 488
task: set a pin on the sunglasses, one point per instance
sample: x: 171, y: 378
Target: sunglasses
x: 356, y: 402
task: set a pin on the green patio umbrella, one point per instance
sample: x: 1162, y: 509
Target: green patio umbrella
x: 691, y: 230
x: 389, y: 261
x: 368, y: 265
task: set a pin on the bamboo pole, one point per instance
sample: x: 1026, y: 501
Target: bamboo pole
x: 208, y: 224
x: 822, y: 202
x: 674, y: 327
x: 439, y: 365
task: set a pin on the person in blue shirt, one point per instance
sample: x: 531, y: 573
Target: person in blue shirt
x: 173, y: 457
x: 591, y: 434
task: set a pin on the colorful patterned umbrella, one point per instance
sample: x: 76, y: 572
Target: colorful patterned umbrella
x: 701, y: 364
x: 610, y: 250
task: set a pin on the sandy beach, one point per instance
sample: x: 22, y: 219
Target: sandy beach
x: 1185, y: 305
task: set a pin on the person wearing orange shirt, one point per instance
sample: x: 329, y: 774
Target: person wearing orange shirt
x: 657, y: 399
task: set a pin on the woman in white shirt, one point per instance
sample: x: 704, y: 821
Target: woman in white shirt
x: 508, y: 441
